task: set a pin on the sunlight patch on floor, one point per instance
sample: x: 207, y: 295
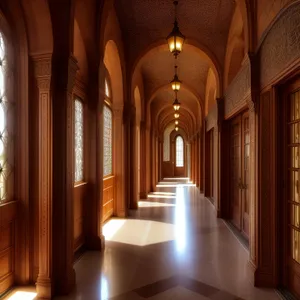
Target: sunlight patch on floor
x: 139, y: 232
x: 161, y: 196
x: 154, y: 204
x: 19, y: 295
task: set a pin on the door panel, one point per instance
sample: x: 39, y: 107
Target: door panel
x: 292, y: 199
x: 240, y: 173
x: 245, y: 173
x: 235, y: 174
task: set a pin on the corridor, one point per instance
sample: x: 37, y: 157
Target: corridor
x: 172, y: 247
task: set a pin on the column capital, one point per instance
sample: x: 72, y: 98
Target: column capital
x: 118, y: 111
x: 43, y: 70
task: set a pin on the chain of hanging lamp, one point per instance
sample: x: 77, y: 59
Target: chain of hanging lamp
x: 175, y: 41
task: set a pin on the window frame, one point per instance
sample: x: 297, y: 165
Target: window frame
x: 108, y: 104
x: 178, y: 137
x: 83, y: 180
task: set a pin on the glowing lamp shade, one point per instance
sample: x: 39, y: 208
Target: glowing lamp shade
x: 176, y: 105
x: 175, y: 40
x: 176, y: 116
x: 176, y: 83
x: 176, y: 128
x: 176, y: 122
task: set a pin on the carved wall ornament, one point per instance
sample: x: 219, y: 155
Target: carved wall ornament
x: 72, y: 70
x: 43, y: 70
x: 239, y: 90
x: 281, y: 46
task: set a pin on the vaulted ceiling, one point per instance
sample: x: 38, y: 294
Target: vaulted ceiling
x: 145, y: 25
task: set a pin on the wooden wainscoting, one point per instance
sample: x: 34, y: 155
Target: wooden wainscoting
x: 108, y: 197
x: 79, y: 198
x: 8, y: 214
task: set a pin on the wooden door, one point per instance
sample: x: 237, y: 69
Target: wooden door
x: 235, y: 172
x: 291, y: 209
x: 240, y: 173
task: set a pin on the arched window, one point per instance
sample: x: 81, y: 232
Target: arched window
x: 179, y: 152
x: 107, y: 141
x: 6, y: 134
x: 79, y: 140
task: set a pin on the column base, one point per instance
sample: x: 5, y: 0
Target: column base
x: 43, y: 288
x: 96, y: 243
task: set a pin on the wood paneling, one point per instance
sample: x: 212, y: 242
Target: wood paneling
x: 79, y: 198
x: 7, y: 245
x: 108, y: 197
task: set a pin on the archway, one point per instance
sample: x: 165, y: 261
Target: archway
x: 115, y: 182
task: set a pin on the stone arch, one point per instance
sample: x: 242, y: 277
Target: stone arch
x: 210, y: 94
x: 80, y: 53
x: 236, y: 47
x: 112, y: 63
x: 203, y: 51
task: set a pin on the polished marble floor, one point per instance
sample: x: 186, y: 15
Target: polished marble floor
x: 173, y: 247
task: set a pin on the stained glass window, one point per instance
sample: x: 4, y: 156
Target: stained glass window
x: 6, y: 134
x: 107, y: 141
x: 79, y: 140
x: 179, y: 151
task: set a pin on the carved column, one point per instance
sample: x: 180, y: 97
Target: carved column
x: 119, y: 167
x: 143, y: 157
x: 42, y: 72
x: 65, y: 69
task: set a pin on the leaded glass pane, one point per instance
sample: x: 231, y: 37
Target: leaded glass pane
x: 6, y: 130
x: 79, y: 141
x: 107, y: 141
x: 179, y: 151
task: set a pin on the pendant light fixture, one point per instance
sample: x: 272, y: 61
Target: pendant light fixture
x: 175, y: 38
x: 176, y: 122
x: 176, y: 104
x: 175, y: 83
x: 176, y: 115
x: 176, y: 128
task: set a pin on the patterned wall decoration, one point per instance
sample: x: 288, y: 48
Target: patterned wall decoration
x: 281, y: 46
x: 239, y: 90
x: 167, y: 133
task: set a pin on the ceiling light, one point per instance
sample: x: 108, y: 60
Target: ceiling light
x: 176, y: 115
x: 176, y: 128
x: 175, y: 83
x: 176, y: 122
x: 176, y: 104
x: 175, y: 38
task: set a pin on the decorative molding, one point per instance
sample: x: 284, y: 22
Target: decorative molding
x: 239, y: 90
x: 72, y: 70
x: 281, y: 46
x: 43, y: 70
x: 212, y: 118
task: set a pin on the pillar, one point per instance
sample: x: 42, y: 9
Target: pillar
x: 119, y: 164
x: 42, y: 73
x: 65, y: 69
x: 143, y: 192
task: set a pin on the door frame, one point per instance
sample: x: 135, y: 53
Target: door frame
x: 283, y: 91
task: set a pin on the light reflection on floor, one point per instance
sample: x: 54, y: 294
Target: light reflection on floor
x: 154, y: 204
x: 20, y: 295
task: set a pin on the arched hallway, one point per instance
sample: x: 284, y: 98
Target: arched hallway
x: 105, y: 104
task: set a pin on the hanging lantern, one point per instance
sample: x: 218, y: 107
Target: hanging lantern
x: 176, y: 128
x: 175, y: 82
x: 176, y: 122
x: 176, y: 115
x: 175, y: 38
x: 176, y: 104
